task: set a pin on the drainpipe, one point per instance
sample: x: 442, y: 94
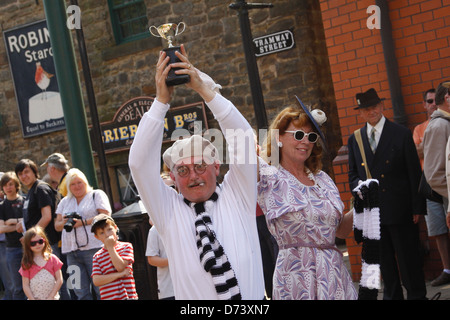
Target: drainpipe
x: 391, y: 64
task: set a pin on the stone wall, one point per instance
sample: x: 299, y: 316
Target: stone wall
x: 13, y: 146
x: 214, y: 44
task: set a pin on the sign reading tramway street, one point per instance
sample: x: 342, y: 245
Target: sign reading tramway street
x: 275, y: 42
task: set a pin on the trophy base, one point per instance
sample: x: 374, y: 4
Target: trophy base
x: 177, y: 79
x: 174, y: 79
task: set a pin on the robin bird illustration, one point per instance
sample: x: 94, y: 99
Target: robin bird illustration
x: 42, y: 77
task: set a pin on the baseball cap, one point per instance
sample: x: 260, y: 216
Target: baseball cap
x: 55, y: 158
x: 99, y: 218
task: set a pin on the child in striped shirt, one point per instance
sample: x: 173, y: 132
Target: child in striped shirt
x: 112, y: 265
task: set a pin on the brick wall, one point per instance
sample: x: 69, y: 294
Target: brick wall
x: 421, y: 34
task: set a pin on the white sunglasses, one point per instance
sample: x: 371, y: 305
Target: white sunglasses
x: 299, y: 135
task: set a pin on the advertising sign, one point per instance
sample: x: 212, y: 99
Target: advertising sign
x: 118, y: 134
x: 30, y: 58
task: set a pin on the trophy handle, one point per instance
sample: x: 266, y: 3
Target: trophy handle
x: 178, y: 26
x: 154, y: 34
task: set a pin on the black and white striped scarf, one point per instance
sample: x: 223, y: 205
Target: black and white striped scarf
x: 211, y: 253
x: 366, y: 229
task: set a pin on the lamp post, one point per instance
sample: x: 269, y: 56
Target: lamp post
x: 242, y: 8
x: 96, y: 130
x: 69, y: 84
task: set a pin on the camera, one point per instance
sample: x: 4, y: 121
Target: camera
x: 68, y: 226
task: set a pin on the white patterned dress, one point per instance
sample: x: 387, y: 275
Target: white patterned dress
x: 42, y: 278
x: 303, y: 219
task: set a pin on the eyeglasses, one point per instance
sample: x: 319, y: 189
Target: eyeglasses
x: 40, y: 241
x: 429, y: 101
x: 199, y: 168
x: 300, y: 134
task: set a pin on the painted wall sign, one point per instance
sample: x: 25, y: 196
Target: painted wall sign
x: 118, y: 134
x: 275, y: 42
x: 30, y: 58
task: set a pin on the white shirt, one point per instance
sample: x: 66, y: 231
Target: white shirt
x: 87, y: 208
x: 378, y: 129
x: 233, y: 215
x: 155, y: 247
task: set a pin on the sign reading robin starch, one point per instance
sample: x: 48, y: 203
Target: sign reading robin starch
x: 168, y: 32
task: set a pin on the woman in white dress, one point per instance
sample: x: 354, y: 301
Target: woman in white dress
x: 304, y: 212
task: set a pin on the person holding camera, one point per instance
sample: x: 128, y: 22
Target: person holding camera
x: 74, y: 216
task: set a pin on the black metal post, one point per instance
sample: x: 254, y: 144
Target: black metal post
x: 242, y: 8
x: 96, y: 131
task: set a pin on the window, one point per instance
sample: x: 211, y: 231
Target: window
x: 129, y: 20
x: 127, y: 189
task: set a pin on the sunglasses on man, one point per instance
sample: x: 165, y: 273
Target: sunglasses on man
x: 299, y: 135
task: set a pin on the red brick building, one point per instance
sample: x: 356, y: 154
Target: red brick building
x: 400, y: 64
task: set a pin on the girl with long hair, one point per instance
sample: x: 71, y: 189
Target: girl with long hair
x: 41, y: 269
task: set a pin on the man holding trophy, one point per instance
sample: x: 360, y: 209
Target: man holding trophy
x: 209, y: 230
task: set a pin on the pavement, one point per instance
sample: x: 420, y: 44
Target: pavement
x: 433, y: 293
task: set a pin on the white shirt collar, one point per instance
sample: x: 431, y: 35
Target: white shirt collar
x: 378, y: 128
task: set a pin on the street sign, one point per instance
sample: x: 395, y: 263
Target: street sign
x: 275, y: 42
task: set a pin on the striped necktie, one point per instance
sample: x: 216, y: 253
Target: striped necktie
x: 372, y: 141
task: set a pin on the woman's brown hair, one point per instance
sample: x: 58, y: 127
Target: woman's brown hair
x: 27, y: 259
x: 299, y: 119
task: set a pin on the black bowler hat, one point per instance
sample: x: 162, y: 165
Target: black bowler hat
x: 367, y: 99
x: 314, y: 122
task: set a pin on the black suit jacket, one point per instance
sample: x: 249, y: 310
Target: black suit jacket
x: 396, y: 166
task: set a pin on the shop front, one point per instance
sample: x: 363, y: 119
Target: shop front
x: 118, y: 135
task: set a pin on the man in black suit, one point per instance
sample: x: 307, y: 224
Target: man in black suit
x: 394, y: 162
